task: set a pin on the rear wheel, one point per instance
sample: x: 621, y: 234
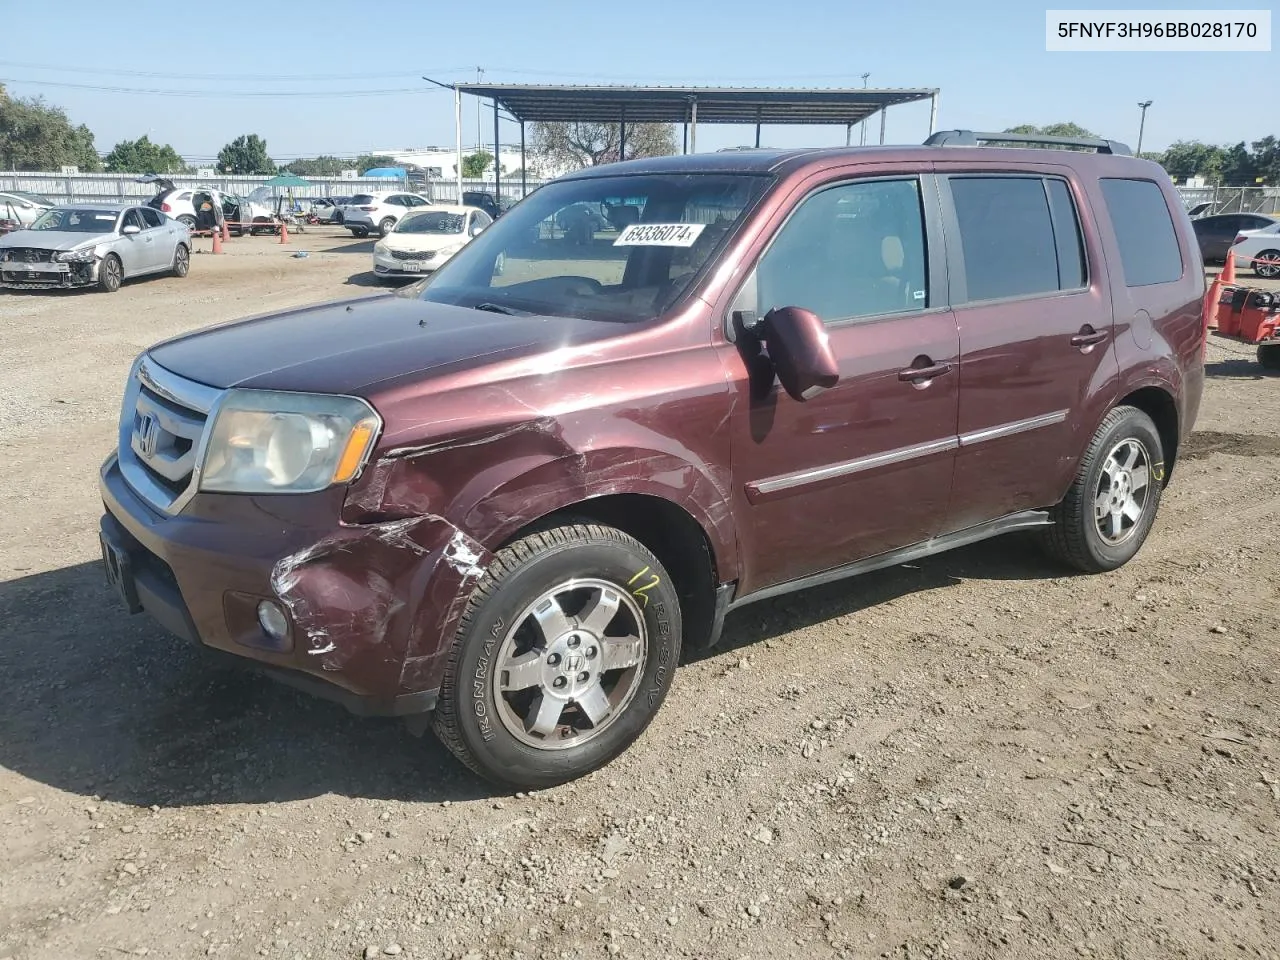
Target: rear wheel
x: 110, y: 274
x: 1267, y: 264
x: 181, y: 261
x: 564, y: 654
x: 1108, y: 512
x: 1269, y: 356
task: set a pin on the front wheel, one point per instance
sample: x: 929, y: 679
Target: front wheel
x: 1108, y: 512
x: 110, y: 274
x: 564, y: 654
x: 386, y: 226
x: 359, y: 232
x: 1267, y: 264
x: 1269, y: 356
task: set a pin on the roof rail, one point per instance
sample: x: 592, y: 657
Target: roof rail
x: 969, y: 138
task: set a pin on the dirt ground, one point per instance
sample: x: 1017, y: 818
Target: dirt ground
x: 972, y: 756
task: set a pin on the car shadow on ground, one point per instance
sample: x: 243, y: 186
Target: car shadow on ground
x: 97, y: 703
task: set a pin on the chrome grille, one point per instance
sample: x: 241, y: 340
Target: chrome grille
x: 26, y: 255
x: 409, y: 255
x: 162, y: 429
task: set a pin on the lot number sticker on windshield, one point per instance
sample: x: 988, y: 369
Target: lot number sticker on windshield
x: 659, y: 235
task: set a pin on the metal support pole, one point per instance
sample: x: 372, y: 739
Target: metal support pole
x: 883, y: 114
x: 497, y: 167
x: 933, y: 114
x: 693, y: 128
x: 848, y: 134
x: 759, y: 111
x: 1142, y: 125
x: 862, y: 132
x: 524, y: 166
x: 684, y: 148
x: 622, y: 133
x: 457, y: 110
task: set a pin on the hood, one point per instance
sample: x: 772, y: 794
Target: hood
x: 352, y: 346
x: 53, y: 239
x: 423, y: 241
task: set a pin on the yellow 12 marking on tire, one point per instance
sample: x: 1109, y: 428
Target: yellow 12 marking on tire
x: 642, y: 592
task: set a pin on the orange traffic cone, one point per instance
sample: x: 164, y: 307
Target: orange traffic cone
x: 284, y: 232
x: 217, y: 240
x: 1228, y: 274
x: 226, y: 232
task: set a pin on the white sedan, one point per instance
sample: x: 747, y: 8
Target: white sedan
x: 423, y: 240
x: 1259, y: 250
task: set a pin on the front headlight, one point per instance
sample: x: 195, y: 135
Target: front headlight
x: 379, y: 247
x: 74, y: 256
x: 264, y: 441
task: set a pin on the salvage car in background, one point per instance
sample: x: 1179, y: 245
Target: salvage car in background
x: 1215, y: 234
x: 25, y: 208
x: 422, y: 242
x: 1259, y: 250
x: 102, y: 245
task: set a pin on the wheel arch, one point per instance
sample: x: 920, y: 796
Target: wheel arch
x: 1157, y: 402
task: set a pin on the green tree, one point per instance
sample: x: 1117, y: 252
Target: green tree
x: 37, y: 136
x: 143, y: 156
x: 475, y: 164
x: 1191, y: 158
x: 1266, y: 160
x: 591, y: 144
x: 367, y: 161
x: 324, y: 166
x: 246, y: 154
x: 1237, y: 166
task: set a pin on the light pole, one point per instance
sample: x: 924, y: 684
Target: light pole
x: 457, y: 122
x: 1142, y: 124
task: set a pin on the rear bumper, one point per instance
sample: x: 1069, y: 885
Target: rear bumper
x: 345, y: 591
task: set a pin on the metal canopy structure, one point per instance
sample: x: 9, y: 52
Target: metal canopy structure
x: 688, y: 106
x: 618, y: 104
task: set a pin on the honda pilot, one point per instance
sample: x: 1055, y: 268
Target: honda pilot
x: 505, y: 500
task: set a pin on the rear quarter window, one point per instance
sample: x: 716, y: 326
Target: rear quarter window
x: 1143, y: 226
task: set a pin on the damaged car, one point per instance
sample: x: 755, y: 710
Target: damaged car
x: 101, y: 245
x: 503, y: 501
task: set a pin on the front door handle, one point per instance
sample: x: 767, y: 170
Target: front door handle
x: 917, y: 375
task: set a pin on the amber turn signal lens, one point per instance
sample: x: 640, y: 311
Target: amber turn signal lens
x: 358, y: 444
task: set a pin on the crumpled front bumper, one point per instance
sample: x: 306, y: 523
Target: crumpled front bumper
x: 25, y: 276
x: 369, y: 605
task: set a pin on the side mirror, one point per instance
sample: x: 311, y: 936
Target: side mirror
x: 800, y: 351
x: 129, y: 230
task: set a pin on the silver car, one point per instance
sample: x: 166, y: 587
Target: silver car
x: 81, y: 245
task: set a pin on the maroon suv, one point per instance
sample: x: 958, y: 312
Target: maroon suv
x: 508, y: 497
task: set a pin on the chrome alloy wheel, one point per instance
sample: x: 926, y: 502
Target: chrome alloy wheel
x: 1123, y: 491
x: 570, y: 664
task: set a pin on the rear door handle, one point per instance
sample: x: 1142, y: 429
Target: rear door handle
x: 916, y: 374
x: 1088, y: 339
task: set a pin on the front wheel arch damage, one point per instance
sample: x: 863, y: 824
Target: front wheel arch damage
x: 675, y: 538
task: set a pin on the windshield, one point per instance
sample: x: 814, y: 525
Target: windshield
x: 75, y: 220
x: 437, y: 222
x: 608, y: 248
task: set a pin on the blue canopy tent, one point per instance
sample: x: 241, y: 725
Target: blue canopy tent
x: 398, y: 172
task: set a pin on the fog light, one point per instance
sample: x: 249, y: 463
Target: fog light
x: 273, y: 621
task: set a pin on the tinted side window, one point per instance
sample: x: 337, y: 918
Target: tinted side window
x: 152, y: 217
x: 131, y: 219
x: 856, y: 250
x: 1007, y: 236
x: 1144, y: 231
x: 1066, y: 236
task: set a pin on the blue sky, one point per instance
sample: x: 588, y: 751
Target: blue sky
x: 989, y: 61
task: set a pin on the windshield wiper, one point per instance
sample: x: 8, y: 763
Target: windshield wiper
x: 488, y: 307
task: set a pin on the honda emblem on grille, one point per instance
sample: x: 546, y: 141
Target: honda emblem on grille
x: 148, y: 435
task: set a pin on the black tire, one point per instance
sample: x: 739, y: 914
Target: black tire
x: 181, y: 261
x: 337, y: 218
x: 110, y: 274
x: 386, y: 226
x: 359, y: 232
x: 1267, y: 264
x: 188, y: 220
x: 1075, y: 537
x: 1269, y: 356
x: 467, y: 716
